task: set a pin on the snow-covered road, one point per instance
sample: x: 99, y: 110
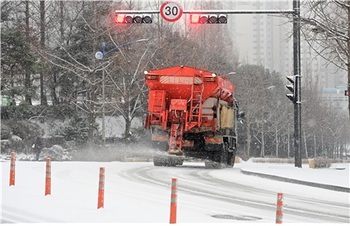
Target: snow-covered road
x: 140, y: 193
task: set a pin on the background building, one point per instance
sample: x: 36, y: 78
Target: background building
x: 267, y: 40
x: 263, y: 39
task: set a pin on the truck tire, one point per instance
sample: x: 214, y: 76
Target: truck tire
x: 210, y: 164
x: 158, y: 160
x: 229, y: 155
x: 231, y: 158
x: 161, y: 160
x: 221, y: 159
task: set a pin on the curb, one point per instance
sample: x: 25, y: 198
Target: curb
x: 307, y: 183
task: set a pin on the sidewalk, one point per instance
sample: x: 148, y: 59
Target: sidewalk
x: 334, y: 178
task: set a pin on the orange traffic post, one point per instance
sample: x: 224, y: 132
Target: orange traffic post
x: 101, y: 188
x: 279, y: 211
x: 48, y: 177
x: 173, y: 201
x: 12, y: 169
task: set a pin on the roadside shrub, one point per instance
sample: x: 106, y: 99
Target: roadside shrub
x: 77, y: 130
x: 56, y: 153
x: 26, y: 130
x: 20, y: 135
x: 322, y: 162
x: 5, y: 132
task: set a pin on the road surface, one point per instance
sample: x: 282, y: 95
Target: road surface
x: 140, y: 193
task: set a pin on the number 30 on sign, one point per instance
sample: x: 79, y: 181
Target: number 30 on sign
x: 171, y: 11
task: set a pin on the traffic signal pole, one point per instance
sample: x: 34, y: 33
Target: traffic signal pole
x: 296, y: 53
x: 219, y: 11
x: 297, y: 73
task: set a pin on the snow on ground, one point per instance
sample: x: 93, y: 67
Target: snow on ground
x: 337, y: 174
x: 74, y: 192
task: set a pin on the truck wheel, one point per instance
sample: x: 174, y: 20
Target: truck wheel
x: 157, y: 161
x: 222, y: 156
x: 216, y: 159
x: 170, y: 161
x: 175, y: 161
x: 179, y: 161
x: 230, y: 159
x: 226, y: 156
x: 209, y: 164
x: 233, y: 157
x: 160, y: 160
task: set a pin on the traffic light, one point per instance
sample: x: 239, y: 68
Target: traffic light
x: 290, y: 87
x: 130, y: 19
x: 208, y: 19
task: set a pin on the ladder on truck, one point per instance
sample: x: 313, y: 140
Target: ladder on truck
x: 175, y: 141
x: 195, y: 116
x: 158, y: 106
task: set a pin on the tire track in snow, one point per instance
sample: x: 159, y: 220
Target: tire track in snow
x: 198, y: 181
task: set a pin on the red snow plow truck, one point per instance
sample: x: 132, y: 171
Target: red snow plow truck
x: 192, y: 113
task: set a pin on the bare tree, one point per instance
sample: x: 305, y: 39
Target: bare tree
x: 249, y: 83
x: 28, y: 82
x: 43, y: 99
x: 17, y: 59
x: 326, y: 27
x: 113, y: 86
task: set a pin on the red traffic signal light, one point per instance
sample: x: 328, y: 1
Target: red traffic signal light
x: 120, y: 18
x: 194, y: 19
x: 208, y: 19
x: 130, y: 19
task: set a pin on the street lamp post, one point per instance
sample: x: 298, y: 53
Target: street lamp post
x: 103, y: 98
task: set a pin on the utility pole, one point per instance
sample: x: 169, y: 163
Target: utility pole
x: 297, y: 74
x: 348, y: 61
x: 103, y: 99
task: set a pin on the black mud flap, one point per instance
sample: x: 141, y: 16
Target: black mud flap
x: 223, y: 158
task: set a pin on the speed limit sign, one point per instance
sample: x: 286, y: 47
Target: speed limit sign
x: 171, y: 11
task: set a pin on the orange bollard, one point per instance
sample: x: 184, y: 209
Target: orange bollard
x: 48, y: 177
x: 279, y: 211
x: 101, y: 188
x: 12, y: 169
x: 173, y: 201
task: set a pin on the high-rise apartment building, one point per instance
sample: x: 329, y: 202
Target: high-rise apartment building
x: 329, y: 79
x: 263, y: 39
x: 267, y: 40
